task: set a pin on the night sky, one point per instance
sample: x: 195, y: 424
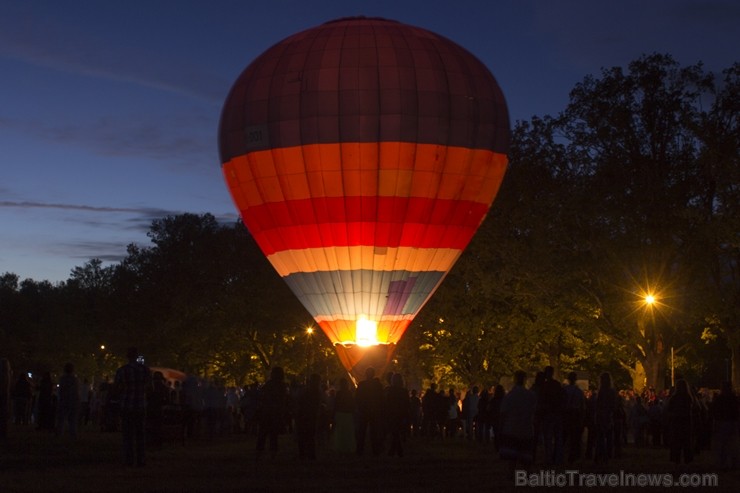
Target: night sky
x: 109, y: 110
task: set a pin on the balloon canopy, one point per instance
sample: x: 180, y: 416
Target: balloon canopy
x: 362, y: 155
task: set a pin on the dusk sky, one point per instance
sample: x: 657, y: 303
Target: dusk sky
x: 109, y: 110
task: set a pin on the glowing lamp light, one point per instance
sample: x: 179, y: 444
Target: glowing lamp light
x: 366, y: 333
x: 650, y: 299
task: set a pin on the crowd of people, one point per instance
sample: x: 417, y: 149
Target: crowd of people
x: 556, y: 420
x: 548, y: 422
x: 50, y: 406
x: 544, y: 421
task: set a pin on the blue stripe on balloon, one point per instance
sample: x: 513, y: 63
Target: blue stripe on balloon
x: 349, y: 293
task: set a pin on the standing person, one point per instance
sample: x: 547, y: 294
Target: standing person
x: 725, y: 417
x: 232, y: 408
x: 22, y: 397
x: 638, y: 421
x: 517, y: 423
x: 606, y: 406
x: 470, y: 411
x: 575, y: 408
x: 415, y: 413
x: 248, y: 405
x: 397, y: 412
x: 343, y: 433
x: 307, y: 417
x: 5, y: 383
x: 620, y: 427
x: 86, y: 395
x: 493, y: 414
x: 369, y: 401
x: 588, y: 422
x: 655, y: 418
x: 157, y: 397
x: 271, y: 412
x: 679, y: 413
x: 68, y: 401
x: 132, y: 381
x: 428, y: 419
x: 191, y: 404
x: 452, y: 406
x: 536, y: 387
x: 46, y: 403
x: 483, y: 425
x: 551, y: 403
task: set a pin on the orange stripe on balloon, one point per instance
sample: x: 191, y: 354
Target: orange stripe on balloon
x: 366, y: 169
x: 368, y: 257
x: 343, y: 331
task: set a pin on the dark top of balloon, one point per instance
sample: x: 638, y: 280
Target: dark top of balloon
x: 364, y: 79
x: 359, y: 17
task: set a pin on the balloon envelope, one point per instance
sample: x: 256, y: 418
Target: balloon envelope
x: 362, y: 155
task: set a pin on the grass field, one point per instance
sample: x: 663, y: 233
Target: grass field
x: 32, y: 461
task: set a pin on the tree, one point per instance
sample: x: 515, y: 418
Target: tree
x: 633, y: 138
x: 204, y: 299
x: 716, y: 215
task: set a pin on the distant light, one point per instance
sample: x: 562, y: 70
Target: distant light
x: 309, y: 330
x: 650, y: 299
x: 102, y: 346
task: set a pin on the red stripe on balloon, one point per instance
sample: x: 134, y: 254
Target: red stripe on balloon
x: 363, y: 233
x: 327, y: 210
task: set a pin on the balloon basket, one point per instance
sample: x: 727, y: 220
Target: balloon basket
x: 357, y: 359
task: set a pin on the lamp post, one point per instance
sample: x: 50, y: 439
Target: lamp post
x: 650, y: 301
x: 309, y: 333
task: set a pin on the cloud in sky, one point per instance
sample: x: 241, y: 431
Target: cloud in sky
x: 80, y: 231
x: 148, y: 213
x: 88, y: 208
x: 179, y: 134
x: 180, y: 139
x: 47, y: 42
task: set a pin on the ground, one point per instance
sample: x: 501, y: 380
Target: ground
x: 33, y: 461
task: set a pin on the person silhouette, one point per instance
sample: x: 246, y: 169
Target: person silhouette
x: 343, y: 432
x: 307, y: 417
x: 68, y: 401
x: 397, y: 412
x: 5, y: 384
x: 369, y: 401
x: 272, y: 409
x: 517, y: 423
x: 132, y: 381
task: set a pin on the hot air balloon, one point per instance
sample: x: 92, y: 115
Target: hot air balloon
x: 362, y: 155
